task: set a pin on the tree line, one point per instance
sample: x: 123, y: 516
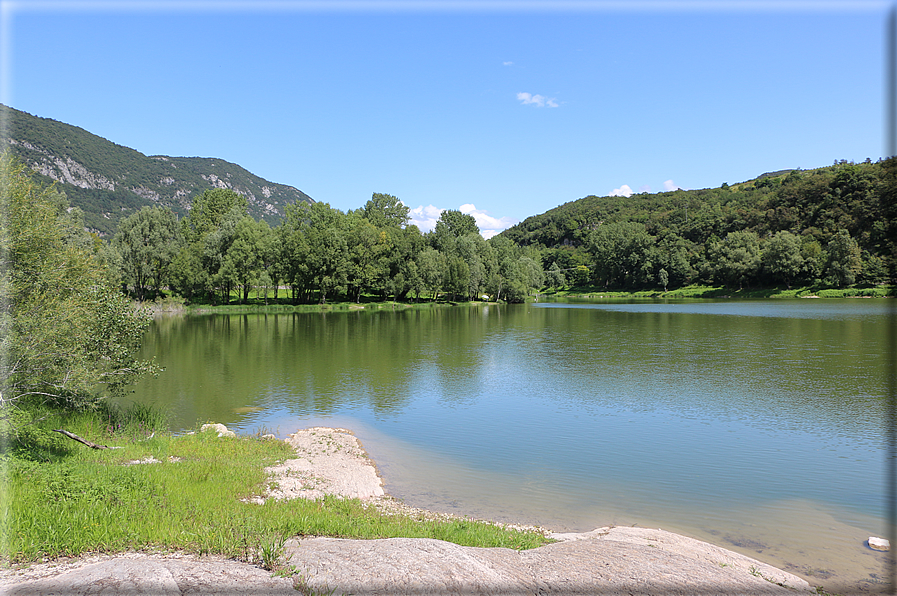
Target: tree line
x: 830, y: 226
x: 317, y: 253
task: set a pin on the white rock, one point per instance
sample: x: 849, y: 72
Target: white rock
x: 219, y: 428
x: 878, y: 543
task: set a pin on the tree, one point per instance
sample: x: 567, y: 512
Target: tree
x: 222, y: 275
x: 624, y: 254
x: 555, y: 277
x: 314, y: 251
x: 367, y: 245
x: 207, y: 234
x: 457, y: 276
x: 782, y: 259
x: 386, y: 211
x: 430, y: 268
x: 244, y: 260
x: 148, y: 242
x: 450, y: 226
x: 664, y: 278
x: 737, y: 258
x: 292, y: 253
x: 69, y: 338
x: 844, y: 260
x: 209, y: 209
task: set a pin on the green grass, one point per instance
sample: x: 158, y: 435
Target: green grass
x: 62, y: 498
x: 698, y: 291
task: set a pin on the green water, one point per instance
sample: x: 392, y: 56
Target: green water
x: 756, y: 425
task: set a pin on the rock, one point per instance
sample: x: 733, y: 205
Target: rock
x: 219, y: 428
x: 329, y: 461
x: 878, y: 543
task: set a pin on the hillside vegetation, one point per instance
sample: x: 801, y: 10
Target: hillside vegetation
x: 832, y: 225
x: 108, y: 181
x: 204, y: 228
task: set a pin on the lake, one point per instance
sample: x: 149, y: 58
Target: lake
x: 755, y: 425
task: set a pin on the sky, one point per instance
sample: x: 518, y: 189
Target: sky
x: 499, y: 109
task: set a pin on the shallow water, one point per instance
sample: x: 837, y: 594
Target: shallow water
x: 756, y: 425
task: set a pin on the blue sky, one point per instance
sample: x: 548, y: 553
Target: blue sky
x: 500, y: 109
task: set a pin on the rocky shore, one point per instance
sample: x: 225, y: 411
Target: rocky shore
x: 610, y: 560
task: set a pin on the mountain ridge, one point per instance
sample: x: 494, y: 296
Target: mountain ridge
x: 108, y: 181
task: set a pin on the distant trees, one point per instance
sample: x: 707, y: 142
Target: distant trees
x: 788, y: 228
x: 147, y: 242
x: 737, y: 258
x: 843, y: 264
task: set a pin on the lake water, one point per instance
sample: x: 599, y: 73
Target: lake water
x: 755, y: 425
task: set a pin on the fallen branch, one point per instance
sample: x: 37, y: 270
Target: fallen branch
x: 75, y: 437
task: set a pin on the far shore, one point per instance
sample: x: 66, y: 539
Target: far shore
x: 177, y: 306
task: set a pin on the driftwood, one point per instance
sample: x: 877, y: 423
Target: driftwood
x: 75, y: 437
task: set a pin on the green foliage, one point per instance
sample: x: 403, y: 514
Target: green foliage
x: 844, y: 262
x: 737, y: 258
x: 817, y: 207
x: 147, y: 242
x: 450, y: 226
x: 782, y: 259
x: 386, y: 210
x: 69, y: 336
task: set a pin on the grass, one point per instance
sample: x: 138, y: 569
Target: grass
x: 698, y: 291
x: 62, y: 498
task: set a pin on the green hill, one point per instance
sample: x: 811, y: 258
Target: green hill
x: 781, y: 227
x: 108, y: 181
x: 815, y: 203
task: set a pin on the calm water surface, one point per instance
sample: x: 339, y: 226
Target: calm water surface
x: 756, y: 425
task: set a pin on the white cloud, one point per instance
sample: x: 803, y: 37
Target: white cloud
x: 489, y: 226
x: 538, y: 100
x: 668, y: 185
x: 507, y: 63
x: 623, y: 191
x: 644, y: 188
x: 425, y: 218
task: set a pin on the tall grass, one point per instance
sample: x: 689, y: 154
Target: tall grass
x: 61, y: 498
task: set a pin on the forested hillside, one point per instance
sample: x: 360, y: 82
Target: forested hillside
x: 109, y: 182
x: 831, y: 225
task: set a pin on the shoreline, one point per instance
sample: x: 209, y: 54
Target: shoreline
x: 175, y: 307
x: 334, y: 453
x: 333, y: 462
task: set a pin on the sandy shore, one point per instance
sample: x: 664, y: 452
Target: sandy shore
x: 332, y: 461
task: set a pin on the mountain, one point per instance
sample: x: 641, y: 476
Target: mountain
x: 108, y: 181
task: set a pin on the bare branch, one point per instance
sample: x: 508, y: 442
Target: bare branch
x: 75, y: 437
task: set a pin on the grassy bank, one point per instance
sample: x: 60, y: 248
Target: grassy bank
x: 257, y: 305
x: 176, y: 305
x: 723, y: 292
x: 61, y: 498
